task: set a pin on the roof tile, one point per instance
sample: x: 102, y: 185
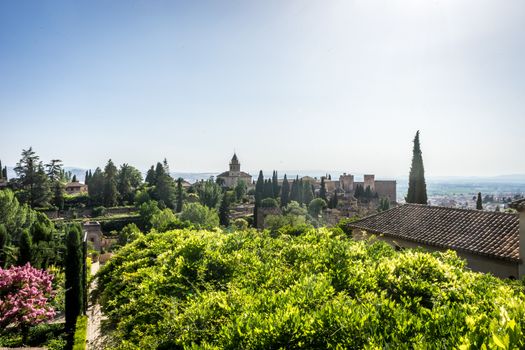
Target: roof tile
x: 480, y: 232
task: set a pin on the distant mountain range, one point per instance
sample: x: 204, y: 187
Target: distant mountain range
x: 196, y: 176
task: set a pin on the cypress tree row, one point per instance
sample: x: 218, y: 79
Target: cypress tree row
x: 73, y: 283
x: 479, y: 202
x: 285, y: 192
x: 417, y: 188
x: 268, y: 189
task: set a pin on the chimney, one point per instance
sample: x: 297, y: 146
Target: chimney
x: 519, y: 205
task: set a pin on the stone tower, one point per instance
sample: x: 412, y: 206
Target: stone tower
x: 370, y: 181
x: 346, y: 182
x: 235, y: 166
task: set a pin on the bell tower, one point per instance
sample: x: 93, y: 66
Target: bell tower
x: 235, y: 166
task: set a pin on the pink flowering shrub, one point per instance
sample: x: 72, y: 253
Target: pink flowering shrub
x: 24, y: 295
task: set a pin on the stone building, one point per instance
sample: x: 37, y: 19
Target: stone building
x: 76, y: 188
x: 231, y: 177
x: 490, y: 242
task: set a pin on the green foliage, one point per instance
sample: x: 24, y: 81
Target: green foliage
x: 240, y: 224
x: 180, y: 195
x: 165, y: 220
x: 247, y: 290
x: 322, y: 190
x: 285, y: 192
x: 343, y: 224
x: 417, y: 187
x: 51, y: 336
x: 80, y: 337
x: 73, y: 283
x: 224, y: 210
x: 33, y: 180
x: 274, y: 223
x: 147, y: 211
x: 141, y: 196
x: 210, y: 194
x: 240, y: 190
x: 384, y: 204
x: 316, y: 206
x: 128, y: 234
x: 199, y: 215
x: 98, y: 211
x: 128, y: 180
x: 4, y: 241
x: 479, y: 202
x: 269, y: 203
x: 14, y: 216
x: 25, y: 249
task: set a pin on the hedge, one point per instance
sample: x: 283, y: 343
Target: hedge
x: 80, y: 337
x: 319, y: 290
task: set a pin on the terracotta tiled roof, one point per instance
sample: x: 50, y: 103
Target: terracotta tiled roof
x: 75, y: 184
x: 227, y: 174
x: 480, y: 232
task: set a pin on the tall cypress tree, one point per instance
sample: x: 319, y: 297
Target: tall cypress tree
x: 285, y: 192
x: 308, y: 194
x: 322, y: 190
x: 417, y: 187
x: 25, y: 248
x: 4, y: 173
x: 73, y: 283
x: 275, y: 184
x: 294, y: 193
x: 479, y: 202
x: 150, y: 176
x: 259, y: 188
x: 180, y: 195
x: 224, y: 211
x: 1, y: 171
x: 268, y: 189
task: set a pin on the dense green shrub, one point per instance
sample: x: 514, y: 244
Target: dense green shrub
x: 80, y: 337
x: 98, y: 211
x: 50, y: 335
x: 118, y: 224
x: 320, y: 290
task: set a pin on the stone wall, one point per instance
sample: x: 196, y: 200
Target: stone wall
x: 386, y: 189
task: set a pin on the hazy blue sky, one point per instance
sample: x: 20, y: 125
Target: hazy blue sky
x: 335, y: 85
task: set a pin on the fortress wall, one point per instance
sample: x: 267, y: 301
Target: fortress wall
x: 386, y: 188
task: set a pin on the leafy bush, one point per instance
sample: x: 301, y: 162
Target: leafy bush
x: 120, y: 223
x: 80, y: 337
x: 99, y: 211
x: 52, y: 336
x: 269, y: 203
x: 200, y: 215
x: 245, y: 289
x: 240, y: 224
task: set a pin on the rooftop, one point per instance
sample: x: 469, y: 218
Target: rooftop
x: 480, y: 232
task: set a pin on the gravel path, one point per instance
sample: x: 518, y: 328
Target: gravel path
x: 94, y: 336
